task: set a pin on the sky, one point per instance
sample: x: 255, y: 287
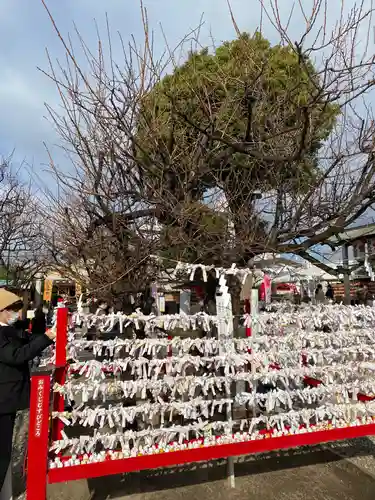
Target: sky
x: 26, y: 32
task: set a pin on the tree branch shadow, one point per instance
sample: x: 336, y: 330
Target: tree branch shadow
x: 176, y: 477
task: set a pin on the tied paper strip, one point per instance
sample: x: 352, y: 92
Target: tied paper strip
x: 286, y: 350
x: 347, y: 375
x: 231, y: 364
x: 342, y: 360
x: 120, y: 416
x: 152, y: 368
x: 110, y: 441
x: 209, y: 440
x: 106, y: 323
x: 220, y: 272
x: 151, y: 347
x: 334, y: 316
x: 285, y: 423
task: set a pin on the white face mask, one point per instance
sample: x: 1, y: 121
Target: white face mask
x: 13, y: 318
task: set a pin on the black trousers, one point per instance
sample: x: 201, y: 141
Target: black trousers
x: 6, y: 436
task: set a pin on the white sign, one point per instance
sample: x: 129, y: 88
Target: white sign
x: 30, y: 314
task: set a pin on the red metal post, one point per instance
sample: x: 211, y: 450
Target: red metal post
x: 38, y: 436
x: 60, y: 374
x: 61, y: 336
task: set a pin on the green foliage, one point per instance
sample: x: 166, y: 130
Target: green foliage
x: 217, y: 92
x: 248, y: 93
x: 4, y: 273
x: 7, y: 274
x: 202, y: 235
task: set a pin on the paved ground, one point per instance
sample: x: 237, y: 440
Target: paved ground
x: 319, y: 474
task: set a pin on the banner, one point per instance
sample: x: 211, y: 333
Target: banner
x: 47, y: 294
x: 267, y: 289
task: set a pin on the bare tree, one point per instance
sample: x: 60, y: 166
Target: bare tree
x: 21, y: 243
x: 142, y: 154
x: 107, y: 255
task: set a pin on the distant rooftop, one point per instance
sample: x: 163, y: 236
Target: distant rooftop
x: 269, y: 259
x: 353, y: 234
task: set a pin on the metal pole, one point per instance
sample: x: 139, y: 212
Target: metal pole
x: 230, y: 473
x: 345, y: 263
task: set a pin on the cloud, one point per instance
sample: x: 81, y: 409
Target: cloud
x: 24, y: 90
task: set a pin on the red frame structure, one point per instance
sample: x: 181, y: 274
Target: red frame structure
x: 39, y: 423
x: 42, y: 429
x: 110, y: 467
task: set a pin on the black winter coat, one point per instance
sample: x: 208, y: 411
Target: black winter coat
x: 17, y: 348
x: 39, y: 322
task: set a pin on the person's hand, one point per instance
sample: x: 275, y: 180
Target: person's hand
x: 51, y: 333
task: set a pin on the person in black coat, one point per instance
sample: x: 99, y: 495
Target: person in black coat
x: 39, y: 321
x: 330, y: 294
x: 17, y: 349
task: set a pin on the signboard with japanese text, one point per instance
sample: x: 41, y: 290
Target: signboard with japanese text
x: 47, y: 294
